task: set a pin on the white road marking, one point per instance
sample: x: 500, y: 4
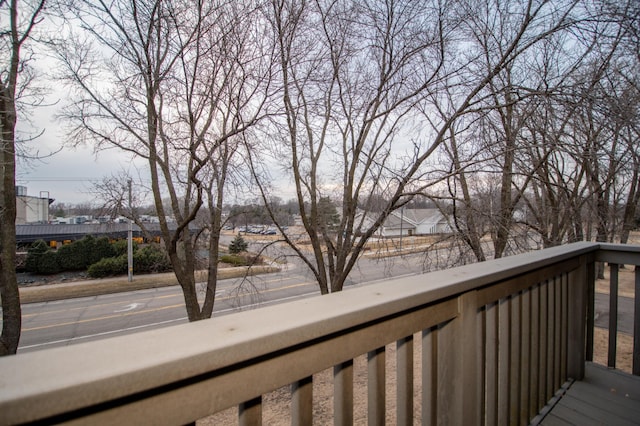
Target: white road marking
x: 129, y: 307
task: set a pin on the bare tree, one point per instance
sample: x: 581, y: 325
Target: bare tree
x: 523, y: 132
x: 470, y: 214
x: 370, y: 91
x: 171, y: 82
x: 622, y: 110
x: 111, y: 195
x: 17, y: 26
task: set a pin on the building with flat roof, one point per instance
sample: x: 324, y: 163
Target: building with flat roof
x: 30, y: 209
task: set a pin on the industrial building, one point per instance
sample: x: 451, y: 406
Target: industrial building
x: 30, y: 209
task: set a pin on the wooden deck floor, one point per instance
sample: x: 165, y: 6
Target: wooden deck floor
x: 604, y: 397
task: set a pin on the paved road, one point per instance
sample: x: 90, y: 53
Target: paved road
x: 625, y: 313
x: 64, y: 322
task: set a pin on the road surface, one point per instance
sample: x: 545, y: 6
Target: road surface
x: 625, y: 313
x: 64, y: 322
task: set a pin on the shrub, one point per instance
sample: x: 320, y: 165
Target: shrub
x: 150, y: 259
x: 238, y: 245
x: 101, y: 248
x: 82, y: 253
x: 48, y: 263
x: 109, y: 266
x: 233, y: 259
x: 120, y: 247
x: 73, y: 257
x: 34, y: 254
x: 241, y: 259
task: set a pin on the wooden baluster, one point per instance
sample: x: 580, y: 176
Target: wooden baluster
x: 376, y: 395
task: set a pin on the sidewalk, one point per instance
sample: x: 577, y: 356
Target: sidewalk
x: 88, y: 288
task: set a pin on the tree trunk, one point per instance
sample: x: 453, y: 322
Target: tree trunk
x: 11, y: 311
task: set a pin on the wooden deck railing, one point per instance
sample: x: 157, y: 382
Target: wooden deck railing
x: 615, y: 256
x: 497, y: 339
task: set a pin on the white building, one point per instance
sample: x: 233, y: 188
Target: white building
x: 31, y: 209
x: 408, y: 222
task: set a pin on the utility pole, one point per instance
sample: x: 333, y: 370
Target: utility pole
x: 401, y: 223
x: 130, y: 238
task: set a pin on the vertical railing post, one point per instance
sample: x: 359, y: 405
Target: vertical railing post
x: 515, y: 358
x: 302, y: 402
x: 525, y: 359
x: 404, y: 372
x: 636, y: 324
x: 458, y: 353
x: 576, y: 351
x: 343, y: 393
x: 376, y: 395
x: 504, y: 370
x: 591, y: 295
x: 471, y: 350
x: 429, y: 376
x: 613, y: 314
x: 250, y: 412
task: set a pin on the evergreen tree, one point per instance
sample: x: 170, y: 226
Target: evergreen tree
x: 34, y: 254
x: 238, y: 245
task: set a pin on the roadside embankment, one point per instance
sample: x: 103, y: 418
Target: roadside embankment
x: 89, y: 288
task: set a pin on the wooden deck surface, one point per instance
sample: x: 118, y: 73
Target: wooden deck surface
x: 604, y: 397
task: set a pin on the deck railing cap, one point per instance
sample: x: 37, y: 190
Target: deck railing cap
x: 72, y: 377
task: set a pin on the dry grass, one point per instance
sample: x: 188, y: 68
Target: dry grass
x: 624, y: 349
x: 626, y: 282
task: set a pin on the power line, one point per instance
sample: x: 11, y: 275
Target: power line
x: 58, y: 179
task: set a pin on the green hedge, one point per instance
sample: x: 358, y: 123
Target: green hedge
x: 109, y: 266
x: 42, y: 260
x: 78, y: 255
x: 149, y: 259
x: 49, y: 263
x: 242, y: 259
x: 96, y: 255
x: 101, y: 248
x: 34, y: 254
x: 120, y: 247
x: 233, y: 259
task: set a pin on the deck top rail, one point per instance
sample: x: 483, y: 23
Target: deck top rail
x: 177, y: 374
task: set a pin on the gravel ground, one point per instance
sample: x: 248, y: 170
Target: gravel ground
x: 26, y: 279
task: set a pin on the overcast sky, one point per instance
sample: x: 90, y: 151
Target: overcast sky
x: 66, y: 175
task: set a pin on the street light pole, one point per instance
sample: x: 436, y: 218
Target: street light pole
x: 130, y: 239
x: 401, y: 223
